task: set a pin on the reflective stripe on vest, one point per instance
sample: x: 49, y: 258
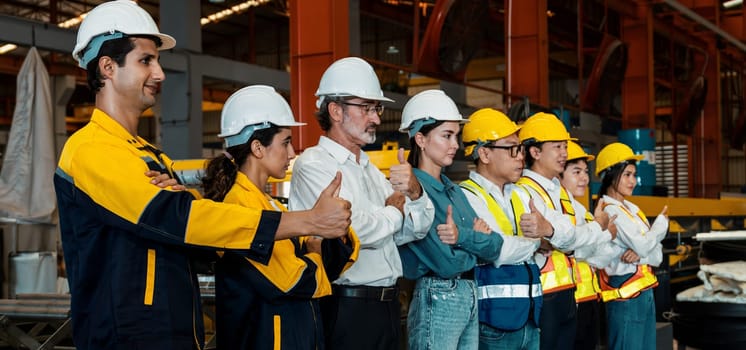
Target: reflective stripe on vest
x: 508, y: 291
x: 586, y: 280
x: 509, y: 295
x: 556, y: 274
x: 642, y: 279
x: 586, y: 283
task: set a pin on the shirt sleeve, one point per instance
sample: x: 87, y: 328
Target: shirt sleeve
x: 599, y: 255
x: 515, y: 249
x: 632, y: 234
x: 300, y: 275
x: 112, y: 178
x: 587, y: 235
x: 563, y: 228
x: 418, y: 217
x: 373, y: 223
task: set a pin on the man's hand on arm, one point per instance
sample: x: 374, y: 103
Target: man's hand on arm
x: 329, y: 217
x: 402, y: 178
x: 397, y: 200
x: 448, y: 232
x: 164, y: 180
x: 600, y: 216
x: 630, y: 257
x: 534, y: 225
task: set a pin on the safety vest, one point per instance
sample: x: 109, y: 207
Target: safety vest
x: 642, y: 279
x: 556, y: 274
x: 509, y: 295
x: 586, y: 280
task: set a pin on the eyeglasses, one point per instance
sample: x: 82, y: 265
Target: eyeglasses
x: 514, y: 149
x: 367, y: 108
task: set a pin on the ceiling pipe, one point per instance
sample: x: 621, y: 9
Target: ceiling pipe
x: 707, y: 24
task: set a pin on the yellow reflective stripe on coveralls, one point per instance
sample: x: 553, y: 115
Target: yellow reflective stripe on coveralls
x: 556, y: 274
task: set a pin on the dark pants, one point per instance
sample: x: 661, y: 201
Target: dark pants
x: 558, y: 321
x: 589, y: 318
x: 361, y: 323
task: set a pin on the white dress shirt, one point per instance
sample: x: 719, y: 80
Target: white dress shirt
x: 567, y: 237
x: 634, y: 233
x: 515, y: 249
x: 380, y: 228
x: 597, y: 255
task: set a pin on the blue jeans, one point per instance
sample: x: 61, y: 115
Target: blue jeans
x: 526, y: 338
x: 443, y: 315
x: 632, y: 322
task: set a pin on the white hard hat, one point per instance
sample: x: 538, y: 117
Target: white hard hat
x: 428, y: 107
x: 350, y: 76
x: 113, y: 20
x: 253, y: 108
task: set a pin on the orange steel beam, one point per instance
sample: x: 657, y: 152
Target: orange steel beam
x: 528, y: 50
x: 638, y: 106
x: 319, y: 35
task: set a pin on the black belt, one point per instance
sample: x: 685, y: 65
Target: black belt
x: 365, y: 292
x: 466, y: 275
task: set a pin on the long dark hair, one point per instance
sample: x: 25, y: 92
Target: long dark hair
x: 221, y: 171
x: 610, y: 177
x: 415, y: 151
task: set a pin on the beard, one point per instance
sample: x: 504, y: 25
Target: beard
x: 366, y: 135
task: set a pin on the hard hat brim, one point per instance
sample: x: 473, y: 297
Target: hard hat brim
x: 587, y: 157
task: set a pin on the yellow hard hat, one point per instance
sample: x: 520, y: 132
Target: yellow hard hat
x: 574, y: 151
x: 486, y: 125
x: 615, y: 153
x: 543, y: 127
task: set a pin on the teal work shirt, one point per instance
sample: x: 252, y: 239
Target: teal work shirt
x: 430, y: 256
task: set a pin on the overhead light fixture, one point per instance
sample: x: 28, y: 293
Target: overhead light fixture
x: 233, y: 10
x: 72, y: 22
x: 732, y: 3
x: 7, y: 48
x: 392, y: 50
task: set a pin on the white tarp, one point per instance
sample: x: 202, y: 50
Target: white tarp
x: 26, y: 188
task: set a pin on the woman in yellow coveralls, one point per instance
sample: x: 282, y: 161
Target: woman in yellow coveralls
x: 268, y: 305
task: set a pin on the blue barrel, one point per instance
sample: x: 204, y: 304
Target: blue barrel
x: 642, y: 141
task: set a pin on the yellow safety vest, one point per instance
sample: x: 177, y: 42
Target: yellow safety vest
x: 502, y: 220
x: 556, y: 274
x: 641, y: 280
x: 586, y: 280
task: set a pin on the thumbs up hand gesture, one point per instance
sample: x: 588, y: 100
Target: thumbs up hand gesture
x: 600, y: 216
x: 534, y: 225
x: 332, y: 213
x: 664, y: 212
x: 448, y: 232
x: 402, y: 178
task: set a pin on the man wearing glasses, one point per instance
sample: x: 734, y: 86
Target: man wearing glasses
x: 364, y: 310
x: 509, y: 288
